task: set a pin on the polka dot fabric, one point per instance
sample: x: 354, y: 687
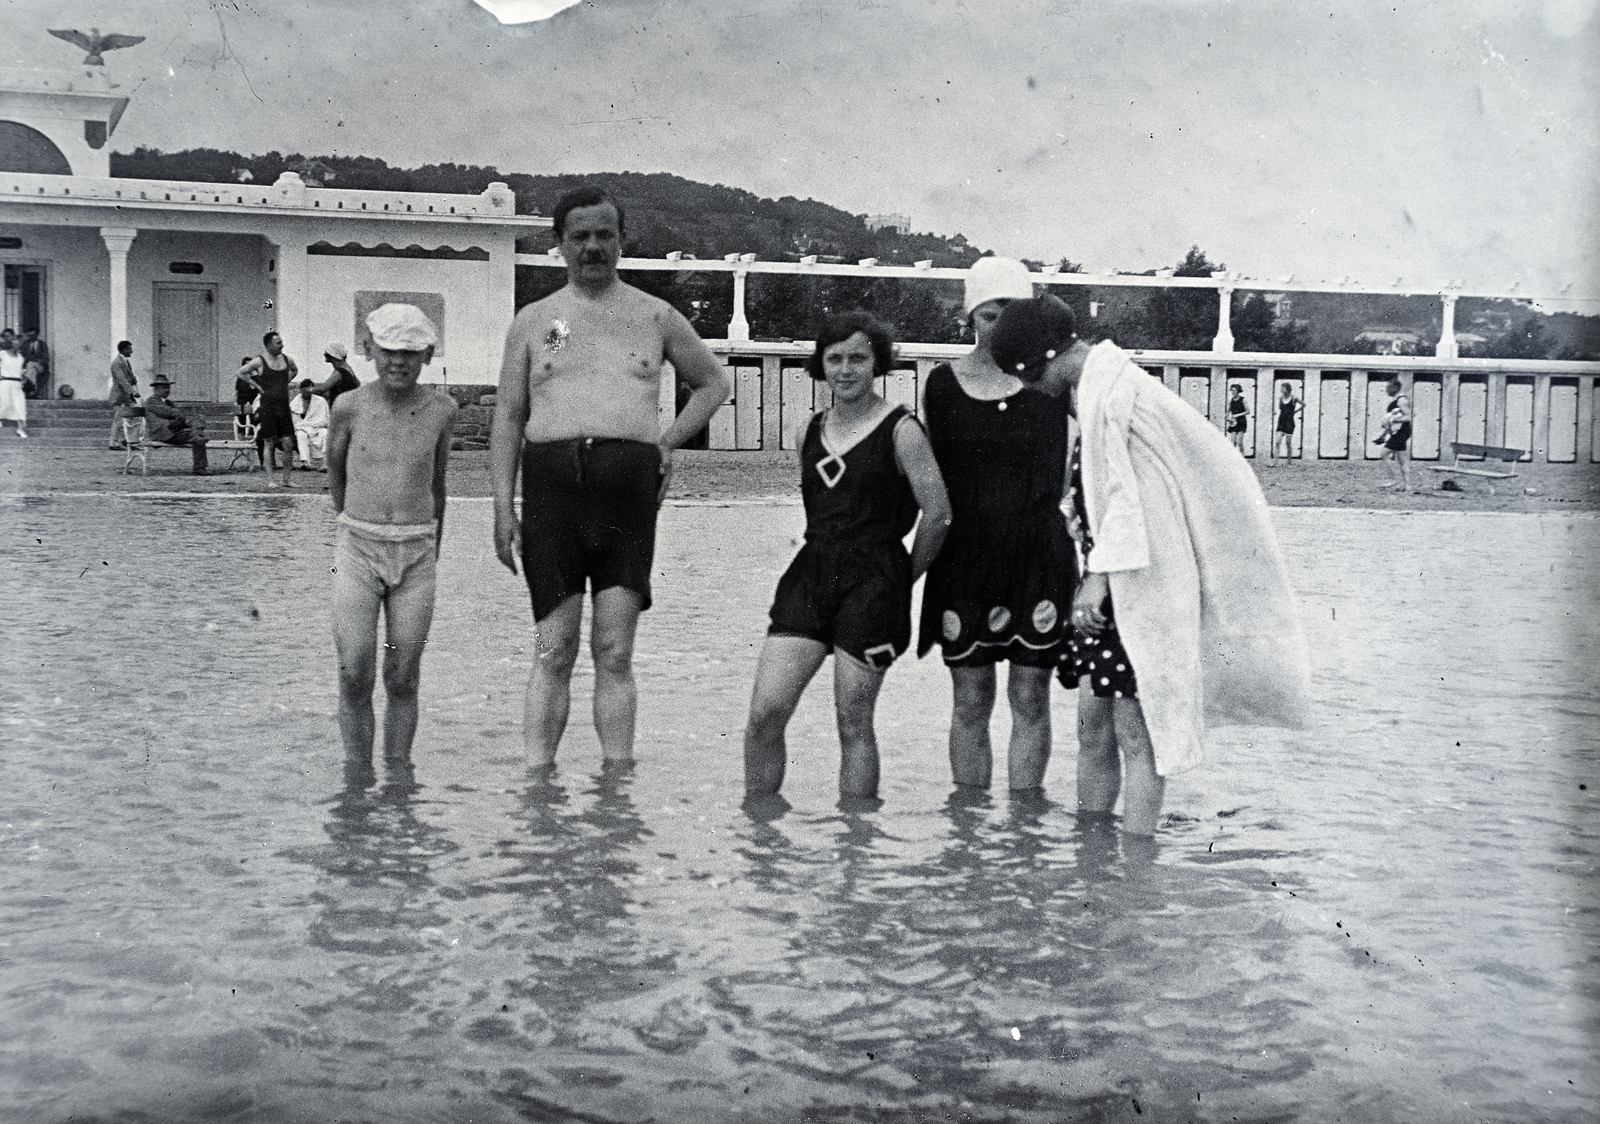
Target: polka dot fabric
x: 1103, y: 660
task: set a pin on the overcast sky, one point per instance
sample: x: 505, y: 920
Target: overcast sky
x: 1429, y: 140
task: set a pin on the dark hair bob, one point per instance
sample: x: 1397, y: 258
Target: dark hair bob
x: 840, y: 326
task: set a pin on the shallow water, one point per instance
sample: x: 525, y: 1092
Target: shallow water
x: 1391, y: 916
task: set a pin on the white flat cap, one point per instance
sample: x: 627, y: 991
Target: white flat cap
x: 401, y: 327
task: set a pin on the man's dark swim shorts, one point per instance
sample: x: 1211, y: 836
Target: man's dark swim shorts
x: 588, y: 515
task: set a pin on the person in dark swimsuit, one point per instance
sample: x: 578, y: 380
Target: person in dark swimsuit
x: 1396, y: 437
x: 1283, y: 433
x: 866, y: 471
x: 343, y: 380
x: 1238, y: 418
x: 271, y: 374
x: 999, y: 590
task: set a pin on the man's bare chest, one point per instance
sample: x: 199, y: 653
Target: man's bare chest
x: 595, y: 349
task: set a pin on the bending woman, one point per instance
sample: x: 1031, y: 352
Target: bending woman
x: 999, y: 590
x: 1185, y: 614
x: 865, y: 472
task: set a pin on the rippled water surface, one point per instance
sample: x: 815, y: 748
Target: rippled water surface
x: 1391, y: 916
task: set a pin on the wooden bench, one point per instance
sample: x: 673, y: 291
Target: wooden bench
x: 1486, y: 453
x: 136, y: 439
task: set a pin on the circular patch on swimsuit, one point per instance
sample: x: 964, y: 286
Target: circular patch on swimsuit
x: 952, y: 624
x: 1044, y: 616
x: 999, y: 617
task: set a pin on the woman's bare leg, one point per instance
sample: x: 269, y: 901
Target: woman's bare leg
x: 972, y: 705
x: 1028, y: 691
x: 787, y: 666
x: 1144, y: 787
x: 855, y: 701
x: 1099, y: 768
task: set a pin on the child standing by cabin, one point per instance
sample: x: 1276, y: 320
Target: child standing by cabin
x: 1395, y: 437
x: 387, y: 447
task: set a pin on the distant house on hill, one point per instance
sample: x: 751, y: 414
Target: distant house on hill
x: 194, y: 273
x: 898, y: 224
x: 1390, y: 340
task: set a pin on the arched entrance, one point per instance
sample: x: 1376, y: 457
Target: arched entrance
x: 24, y: 149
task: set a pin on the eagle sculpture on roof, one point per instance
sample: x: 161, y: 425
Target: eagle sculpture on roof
x: 96, y: 44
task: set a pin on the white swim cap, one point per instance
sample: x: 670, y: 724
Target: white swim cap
x: 992, y: 279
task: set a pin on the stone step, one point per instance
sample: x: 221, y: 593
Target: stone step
x: 75, y: 424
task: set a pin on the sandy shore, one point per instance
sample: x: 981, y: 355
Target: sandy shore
x: 700, y: 475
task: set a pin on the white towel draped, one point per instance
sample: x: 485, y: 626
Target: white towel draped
x: 1201, y: 596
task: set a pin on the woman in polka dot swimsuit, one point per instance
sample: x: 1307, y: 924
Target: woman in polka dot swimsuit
x: 1174, y: 525
x: 1099, y: 656
x: 1112, y: 737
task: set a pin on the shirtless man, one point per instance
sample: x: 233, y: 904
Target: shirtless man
x: 577, y: 408
x: 387, y: 447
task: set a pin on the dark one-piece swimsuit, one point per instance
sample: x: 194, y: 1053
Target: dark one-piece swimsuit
x: 275, y: 419
x: 849, y: 588
x: 1000, y: 588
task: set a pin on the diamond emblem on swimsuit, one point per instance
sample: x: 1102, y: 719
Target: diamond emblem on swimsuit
x: 556, y: 338
x: 999, y: 617
x: 1044, y: 616
x: 952, y: 624
x: 831, y: 469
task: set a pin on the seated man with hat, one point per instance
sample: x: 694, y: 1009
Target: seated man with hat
x: 167, y: 425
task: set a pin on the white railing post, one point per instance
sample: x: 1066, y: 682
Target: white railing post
x: 118, y: 240
x: 1224, y: 338
x: 1447, y: 334
x: 738, y: 326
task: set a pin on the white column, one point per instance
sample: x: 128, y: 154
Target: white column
x: 1224, y: 338
x: 502, y: 277
x: 118, y: 240
x: 1447, y: 334
x: 738, y: 326
x: 292, y: 301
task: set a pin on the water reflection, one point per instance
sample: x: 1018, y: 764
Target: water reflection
x: 1023, y: 958
x: 573, y: 863
x: 383, y: 853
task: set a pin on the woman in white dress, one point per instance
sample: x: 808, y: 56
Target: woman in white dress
x: 13, y: 406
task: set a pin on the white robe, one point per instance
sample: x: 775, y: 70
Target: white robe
x: 1198, y: 587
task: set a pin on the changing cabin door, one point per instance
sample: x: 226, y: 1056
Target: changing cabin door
x: 186, y: 340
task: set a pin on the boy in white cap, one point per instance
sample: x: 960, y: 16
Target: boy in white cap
x: 388, y: 443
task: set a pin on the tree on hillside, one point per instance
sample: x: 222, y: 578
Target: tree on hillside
x: 788, y: 306
x: 1256, y: 327
x: 1527, y: 340
x: 1182, y: 319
